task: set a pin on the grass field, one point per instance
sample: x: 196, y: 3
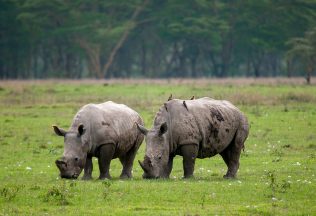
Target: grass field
x: 277, y: 175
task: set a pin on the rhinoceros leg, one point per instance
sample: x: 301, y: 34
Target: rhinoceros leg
x: 128, y: 159
x: 170, y: 164
x: 127, y: 163
x: 231, y: 154
x: 105, y: 156
x: 189, y: 154
x: 231, y: 158
x: 88, y: 169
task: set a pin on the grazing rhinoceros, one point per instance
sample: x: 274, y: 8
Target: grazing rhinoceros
x: 196, y: 128
x: 105, y: 131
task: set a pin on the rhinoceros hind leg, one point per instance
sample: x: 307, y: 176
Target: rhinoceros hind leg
x: 189, y: 154
x: 128, y: 159
x: 106, y: 153
x: 127, y: 163
x: 231, y: 154
x: 231, y: 157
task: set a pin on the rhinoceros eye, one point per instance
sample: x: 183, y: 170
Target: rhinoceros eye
x: 76, y: 159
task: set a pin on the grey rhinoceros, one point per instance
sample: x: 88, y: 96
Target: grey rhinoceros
x: 105, y: 131
x: 196, y: 128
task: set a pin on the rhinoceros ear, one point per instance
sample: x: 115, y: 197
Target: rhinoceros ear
x: 59, y: 131
x: 81, y: 129
x: 142, y: 129
x: 163, y: 128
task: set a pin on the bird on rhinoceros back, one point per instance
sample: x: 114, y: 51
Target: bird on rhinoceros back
x: 196, y: 128
x: 105, y: 131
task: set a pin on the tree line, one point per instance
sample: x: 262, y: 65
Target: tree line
x: 148, y: 38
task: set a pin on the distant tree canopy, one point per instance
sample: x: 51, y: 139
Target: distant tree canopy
x: 147, y: 38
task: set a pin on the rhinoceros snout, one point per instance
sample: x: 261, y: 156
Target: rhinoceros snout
x: 75, y: 175
x: 148, y: 176
x: 67, y: 176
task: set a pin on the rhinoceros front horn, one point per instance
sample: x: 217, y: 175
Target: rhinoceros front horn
x: 60, y: 164
x: 142, y: 166
x: 142, y: 129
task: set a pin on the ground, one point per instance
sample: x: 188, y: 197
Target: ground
x: 276, y: 175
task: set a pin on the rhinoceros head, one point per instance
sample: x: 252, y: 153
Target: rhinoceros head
x: 155, y: 164
x: 74, y: 157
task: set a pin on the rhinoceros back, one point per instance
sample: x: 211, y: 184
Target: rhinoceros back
x: 206, y: 122
x: 107, y: 123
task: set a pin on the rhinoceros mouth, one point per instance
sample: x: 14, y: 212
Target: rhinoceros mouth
x: 74, y: 176
x: 146, y: 176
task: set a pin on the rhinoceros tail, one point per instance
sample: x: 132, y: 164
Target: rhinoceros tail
x: 243, y: 131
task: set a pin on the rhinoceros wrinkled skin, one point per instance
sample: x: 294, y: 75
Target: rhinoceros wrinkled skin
x: 105, y: 131
x: 196, y: 128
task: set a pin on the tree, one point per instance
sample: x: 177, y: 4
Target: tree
x: 304, y: 48
x: 14, y: 43
x: 166, y: 38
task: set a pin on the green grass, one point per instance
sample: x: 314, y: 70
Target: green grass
x: 277, y: 175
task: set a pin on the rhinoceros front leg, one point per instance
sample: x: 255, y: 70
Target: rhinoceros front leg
x: 106, y: 153
x: 127, y: 163
x: 189, y: 154
x: 88, y: 169
x: 169, y: 168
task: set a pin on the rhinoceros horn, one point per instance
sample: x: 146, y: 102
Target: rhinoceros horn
x: 142, y: 129
x: 143, y: 166
x: 61, y: 164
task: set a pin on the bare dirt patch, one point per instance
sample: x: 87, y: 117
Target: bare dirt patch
x: 174, y: 81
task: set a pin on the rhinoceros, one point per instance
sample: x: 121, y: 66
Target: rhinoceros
x: 105, y: 131
x: 196, y: 128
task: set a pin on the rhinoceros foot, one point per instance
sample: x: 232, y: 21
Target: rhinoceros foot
x: 188, y: 177
x: 105, y: 176
x: 125, y: 176
x: 227, y: 176
x: 86, y: 178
